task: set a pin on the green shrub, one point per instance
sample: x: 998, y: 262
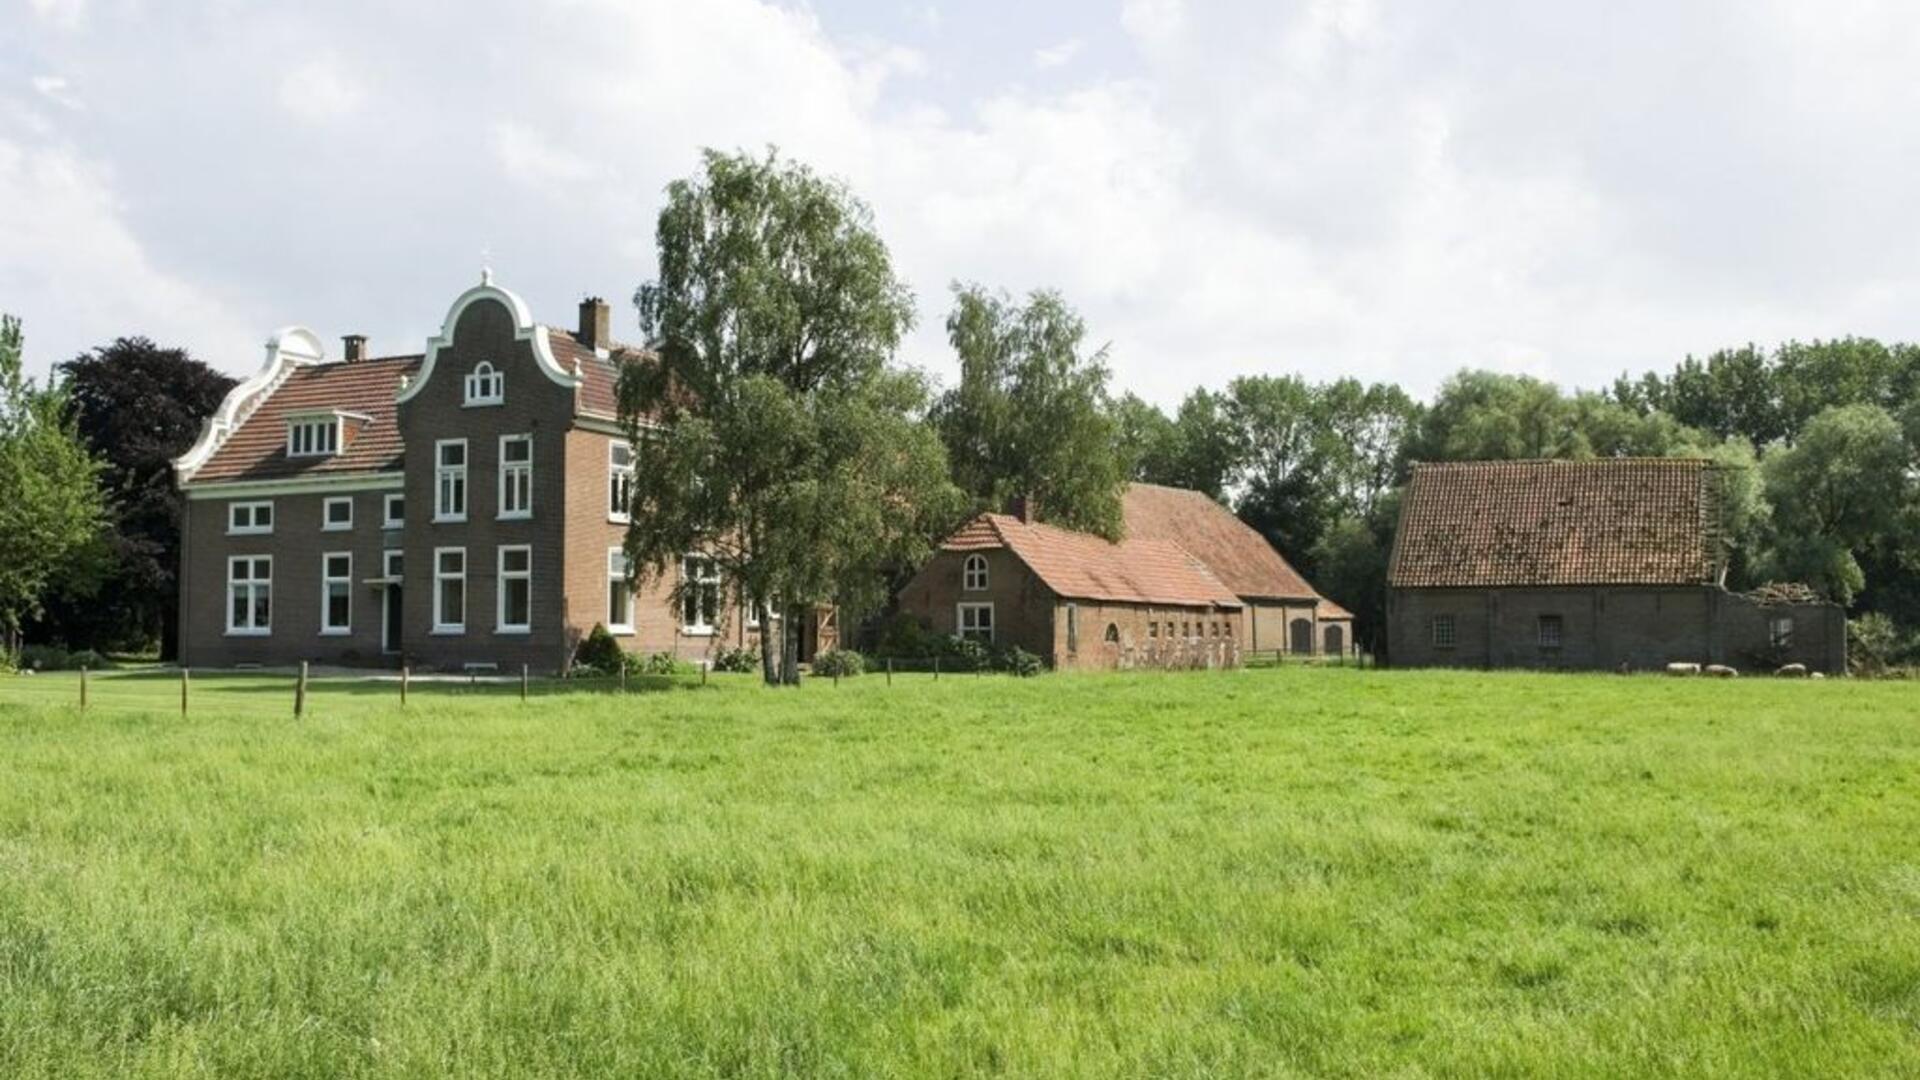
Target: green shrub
x: 736, y: 660
x: 1015, y: 660
x: 598, y: 653
x: 658, y: 663
x: 55, y: 658
x: 966, y: 653
x: 902, y: 636
x: 840, y: 663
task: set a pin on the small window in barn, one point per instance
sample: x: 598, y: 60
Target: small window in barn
x: 1073, y: 628
x: 1169, y: 629
x: 1113, y: 634
x: 1547, y: 630
x: 1153, y: 631
x: 1442, y: 631
x: 1186, y: 631
x: 1226, y: 629
x: 976, y: 621
x: 1213, y: 629
x: 1780, y: 631
x: 486, y: 386
x: 974, y: 573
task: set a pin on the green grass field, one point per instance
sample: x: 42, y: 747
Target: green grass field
x: 1257, y: 873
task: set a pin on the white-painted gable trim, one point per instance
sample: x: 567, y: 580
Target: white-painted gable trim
x: 524, y: 329
x: 291, y: 347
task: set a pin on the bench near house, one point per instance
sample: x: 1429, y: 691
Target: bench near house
x: 1583, y: 564
x: 464, y: 506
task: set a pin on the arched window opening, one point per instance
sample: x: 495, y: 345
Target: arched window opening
x: 974, y: 574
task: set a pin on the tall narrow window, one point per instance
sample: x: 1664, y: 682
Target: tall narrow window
x: 516, y: 476
x: 449, y: 590
x: 619, y: 593
x: 619, y: 481
x: 976, y: 622
x: 485, y: 385
x: 394, y: 510
x: 973, y: 576
x: 515, y: 614
x: 250, y: 594
x: 450, y: 480
x: 336, y: 593
x: 1548, y: 630
x: 1073, y: 628
x: 1442, y: 629
x: 699, y: 595
x: 1780, y: 631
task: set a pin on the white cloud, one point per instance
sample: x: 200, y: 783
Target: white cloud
x: 321, y: 91
x: 66, y: 14
x: 56, y: 89
x: 1058, y: 55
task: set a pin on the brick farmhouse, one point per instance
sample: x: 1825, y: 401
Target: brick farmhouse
x: 1583, y: 564
x: 1189, y: 585
x: 460, y: 507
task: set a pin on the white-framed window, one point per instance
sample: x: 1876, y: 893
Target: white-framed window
x: 619, y: 481
x: 973, y: 574
x: 450, y: 480
x: 249, y: 518
x: 1780, y: 631
x: 976, y: 621
x: 1441, y: 628
x: 336, y: 593
x: 449, y: 590
x: 336, y: 513
x: 313, y: 436
x: 1549, y: 630
x: 393, y: 565
x: 699, y: 594
x: 516, y: 476
x: 250, y: 595
x: 753, y: 615
x: 393, y: 510
x: 619, y: 593
x: 513, y: 612
x: 486, y: 385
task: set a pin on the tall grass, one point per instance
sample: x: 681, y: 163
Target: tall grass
x: 1255, y: 873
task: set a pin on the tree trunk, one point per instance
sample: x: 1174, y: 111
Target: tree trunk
x: 790, y: 638
x: 769, y: 663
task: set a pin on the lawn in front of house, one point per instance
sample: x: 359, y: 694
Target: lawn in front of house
x: 1213, y: 873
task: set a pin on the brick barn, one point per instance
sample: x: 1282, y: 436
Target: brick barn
x: 1078, y: 601
x: 1583, y: 564
x: 1283, y: 612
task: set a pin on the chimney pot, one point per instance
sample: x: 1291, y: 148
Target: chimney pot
x: 354, y: 346
x: 1024, y: 507
x: 596, y: 321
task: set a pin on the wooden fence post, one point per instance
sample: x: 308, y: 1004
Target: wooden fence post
x: 405, y: 671
x: 889, y: 671
x: 703, y: 674
x: 83, y: 688
x: 623, y: 673
x: 936, y: 668
x: 300, y: 693
x: 183, y: 693
x: 523, y: 684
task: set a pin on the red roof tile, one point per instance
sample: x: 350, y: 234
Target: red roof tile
x: 1632, y: 521
x: 257, y: 449
x: 599, y: 393
x: 1234, y: 551
x: 1081, y: 566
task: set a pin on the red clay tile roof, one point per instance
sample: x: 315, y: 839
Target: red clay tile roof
x: 599, y: 395
x: 1327, y: 609
x: 257, y: 449
x: 1234, y: 551
x: 1080, y: 566
x: 1630, y: 521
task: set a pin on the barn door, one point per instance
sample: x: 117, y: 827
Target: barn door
x: 1301, y: 637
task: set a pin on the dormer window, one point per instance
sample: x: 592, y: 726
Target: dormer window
x: 313, y: 436
x: 485, y: 385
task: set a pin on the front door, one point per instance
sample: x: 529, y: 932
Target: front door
x: 390, y: 620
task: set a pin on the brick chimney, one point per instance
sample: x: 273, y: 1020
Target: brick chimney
x: 595, y: 323
x: 354, y: 346
x: 1024, y: 507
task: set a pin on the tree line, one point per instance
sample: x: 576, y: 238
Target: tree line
x: 779, y: 432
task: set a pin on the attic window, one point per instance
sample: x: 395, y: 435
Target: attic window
x: 486, y: 386
x: 313, y: 436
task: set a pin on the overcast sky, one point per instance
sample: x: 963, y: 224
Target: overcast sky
x: 1387, y: 190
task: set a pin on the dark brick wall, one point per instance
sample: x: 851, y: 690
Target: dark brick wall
x: 1603, y: 628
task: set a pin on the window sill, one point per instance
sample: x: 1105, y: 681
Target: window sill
x: 249, y: 532
x: 461, y: 520
x: 696, y: 631
x: 483, y: 403
x: 338, y: 632
x: 513, y: 631
x: 528, y: 516
x: 336, y: 528
x: 620, y: 631
x: 619, y: 519
x: 393, y: 524
x: 249, y: 633
x: 447, y: 631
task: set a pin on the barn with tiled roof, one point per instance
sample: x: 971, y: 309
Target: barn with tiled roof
x: 1613, y: 564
